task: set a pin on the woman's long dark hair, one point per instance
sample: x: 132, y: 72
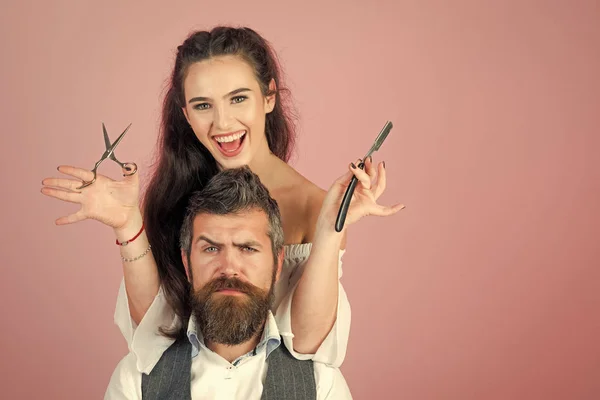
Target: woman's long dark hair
x: 184, y: 165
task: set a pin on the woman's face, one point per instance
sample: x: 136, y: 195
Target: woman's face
x: 227, y: 110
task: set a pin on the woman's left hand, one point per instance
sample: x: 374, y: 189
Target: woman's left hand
x: 371, y: 184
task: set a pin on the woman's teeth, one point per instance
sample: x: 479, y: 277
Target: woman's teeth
x: 230, y: 138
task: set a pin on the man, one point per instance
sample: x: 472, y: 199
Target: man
x: 232, y: 248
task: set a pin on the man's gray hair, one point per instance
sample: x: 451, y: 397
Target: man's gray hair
x: 232, y: 191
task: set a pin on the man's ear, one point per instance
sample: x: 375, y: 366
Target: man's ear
x: 184, y: 259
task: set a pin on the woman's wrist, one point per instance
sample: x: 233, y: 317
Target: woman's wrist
x: 131, y: 228
x: 325, y: 233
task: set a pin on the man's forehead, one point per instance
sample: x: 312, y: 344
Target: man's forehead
x: 248, y: 224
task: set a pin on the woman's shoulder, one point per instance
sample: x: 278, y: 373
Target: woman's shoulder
x: 299, y: 199
x: 313, y: 196
x: 297, y: 185
x: 312, y: 199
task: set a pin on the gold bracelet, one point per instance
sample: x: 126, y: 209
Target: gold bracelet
x: 138, y: 257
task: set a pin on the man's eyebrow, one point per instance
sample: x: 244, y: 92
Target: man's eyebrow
x: 208, y: 240
x: 249, y: 243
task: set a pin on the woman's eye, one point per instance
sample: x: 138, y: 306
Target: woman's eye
x: 201, y: 106
x: 238, y: 99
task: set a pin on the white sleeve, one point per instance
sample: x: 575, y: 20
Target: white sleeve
x: 125, y: 382
x: 330, y: 383
x: 145, y: 340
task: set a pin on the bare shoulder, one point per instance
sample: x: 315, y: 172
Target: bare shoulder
x: 314, y: 202
x: 312, y: 199
x: 300, y: 202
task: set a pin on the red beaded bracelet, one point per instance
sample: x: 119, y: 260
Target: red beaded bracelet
x: 130, y: 240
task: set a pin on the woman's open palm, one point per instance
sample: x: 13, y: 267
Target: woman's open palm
x: 106, y: 200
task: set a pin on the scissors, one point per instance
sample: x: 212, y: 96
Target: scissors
x: 341, y: 217
x: 110, y: 153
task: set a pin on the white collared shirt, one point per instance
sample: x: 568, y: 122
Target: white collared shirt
x: 214, y: 378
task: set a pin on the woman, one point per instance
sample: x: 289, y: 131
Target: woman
x: 224, y: 108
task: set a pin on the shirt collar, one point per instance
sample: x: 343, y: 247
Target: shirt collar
x: 270, y: 338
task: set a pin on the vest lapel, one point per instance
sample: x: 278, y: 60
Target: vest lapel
x: 170, y: 378
x: 288, y: 377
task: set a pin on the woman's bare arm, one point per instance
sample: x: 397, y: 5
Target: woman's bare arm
x: 141, y: 275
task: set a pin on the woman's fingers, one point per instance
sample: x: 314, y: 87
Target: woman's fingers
x: 61, y: 183
x: 380, y: 182
x: 384, y: 211
x: 70, y: 219
x: 60, y: 194
x: 80, y: 173
x: 370, y: 168
x: 361, y: 175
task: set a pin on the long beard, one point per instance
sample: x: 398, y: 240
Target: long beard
x: 227, y: 319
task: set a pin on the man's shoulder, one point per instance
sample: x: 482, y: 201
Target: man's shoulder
x: 125, y: 381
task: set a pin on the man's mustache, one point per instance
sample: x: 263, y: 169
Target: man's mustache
x: 231, y: 283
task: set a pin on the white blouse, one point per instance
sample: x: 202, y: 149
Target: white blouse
x: 146, y: 342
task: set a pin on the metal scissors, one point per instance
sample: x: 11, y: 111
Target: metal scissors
x: 110, y: 153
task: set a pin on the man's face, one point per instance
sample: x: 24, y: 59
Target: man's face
x: 232, y: 271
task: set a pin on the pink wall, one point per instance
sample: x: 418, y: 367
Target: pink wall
x: 487, y: 286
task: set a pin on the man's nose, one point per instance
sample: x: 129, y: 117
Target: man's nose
x: 230, y: 263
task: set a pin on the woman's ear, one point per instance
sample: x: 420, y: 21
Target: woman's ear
x: 270, y: 99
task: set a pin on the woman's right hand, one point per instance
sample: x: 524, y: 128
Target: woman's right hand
x: 114, y: 203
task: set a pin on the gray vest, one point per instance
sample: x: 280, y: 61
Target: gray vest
x: 287, y: 377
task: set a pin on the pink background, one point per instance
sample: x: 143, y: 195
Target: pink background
x: 487, y: 286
